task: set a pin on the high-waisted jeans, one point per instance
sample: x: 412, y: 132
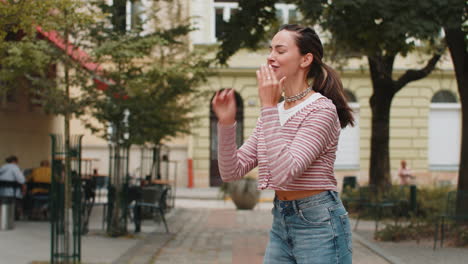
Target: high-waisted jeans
x: 311, y: 230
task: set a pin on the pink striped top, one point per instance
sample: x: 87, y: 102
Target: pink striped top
x: 297, y: 156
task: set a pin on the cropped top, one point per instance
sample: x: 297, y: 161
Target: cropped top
x: 296, y: 156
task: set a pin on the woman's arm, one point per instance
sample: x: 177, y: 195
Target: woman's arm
x: 235, y: 163
x: 316, y: 132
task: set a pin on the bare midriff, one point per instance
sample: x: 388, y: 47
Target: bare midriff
x: 294, y: 195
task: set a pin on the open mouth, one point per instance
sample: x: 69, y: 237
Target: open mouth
x: 274, y: 67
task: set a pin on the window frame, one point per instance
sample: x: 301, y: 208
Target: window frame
x: 228, y: 6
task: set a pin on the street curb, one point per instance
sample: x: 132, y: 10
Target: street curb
x: 376, y: 249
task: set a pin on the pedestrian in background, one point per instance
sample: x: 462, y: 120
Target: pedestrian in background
x: 294, y: 145
x: 405, y: 173
x: 42, y: 174
x: 10, y: 172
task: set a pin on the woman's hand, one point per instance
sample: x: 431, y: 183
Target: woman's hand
x: 269, y: 88
x: 224, y: 106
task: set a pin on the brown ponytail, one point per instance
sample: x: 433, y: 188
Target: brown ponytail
x: 326, y: 80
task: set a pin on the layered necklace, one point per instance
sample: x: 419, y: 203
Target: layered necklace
x: 298, y: 96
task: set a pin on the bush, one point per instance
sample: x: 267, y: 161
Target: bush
x: 431, y: 202
x: 462, y: 232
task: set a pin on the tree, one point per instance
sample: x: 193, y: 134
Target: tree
x: 20, y: 51
x: 453, y: 19
x: 152, y: 79
x: 27, y: 60
x: 451, y: 15
x: 377, y: 30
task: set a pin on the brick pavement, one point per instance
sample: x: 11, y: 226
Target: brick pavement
x: 218, y: 236
x: 204, y: 231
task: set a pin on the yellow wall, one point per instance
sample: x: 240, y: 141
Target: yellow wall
x: 409, y: 113
x: 24, y: 131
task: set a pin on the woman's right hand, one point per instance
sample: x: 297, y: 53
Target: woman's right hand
x: 224, y: 106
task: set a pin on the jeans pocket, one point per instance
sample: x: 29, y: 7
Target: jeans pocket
x: 315, y: 216
x: 347, y: 231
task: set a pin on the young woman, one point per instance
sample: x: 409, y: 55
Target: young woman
x: 294, y: 145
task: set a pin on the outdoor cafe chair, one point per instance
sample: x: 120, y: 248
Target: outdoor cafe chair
x: 39, y: 201
x: 154, y: 198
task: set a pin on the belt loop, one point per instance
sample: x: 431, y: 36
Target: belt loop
x: 333, y: 194
x: 295, y: 206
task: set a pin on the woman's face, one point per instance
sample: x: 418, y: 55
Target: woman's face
x: 284, y: 57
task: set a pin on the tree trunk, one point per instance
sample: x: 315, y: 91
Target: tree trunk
x: 380, y: 102
x: 379, y: 170
x: 68, y: 203
x: 456, y: 43
x: 118, y: 222
x: 455, y: 38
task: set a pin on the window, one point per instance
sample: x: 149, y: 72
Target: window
x: 286, y: 13
x: 444, y: 96
x: 444, y: 131
x: 223, y: 10
x: 136, y: 16
x: 347, y: 155
x: 222, y: 14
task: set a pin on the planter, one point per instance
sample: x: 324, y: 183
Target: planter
x: 243, y: 193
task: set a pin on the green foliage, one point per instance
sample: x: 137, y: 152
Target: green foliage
x: 152, y: 75
x: 377, y: 27
x: 462, y: 235
x: 432, y: 201
x: 20, y: 17
x: 358, y: 27
x: 247, y: 28
x: 29, y: 62
x: 397, y: 233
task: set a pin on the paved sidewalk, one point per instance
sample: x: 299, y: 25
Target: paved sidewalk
x: 198, y: 235
x: 204, y: 229
x: 409, y: 252
x: 226, y: 236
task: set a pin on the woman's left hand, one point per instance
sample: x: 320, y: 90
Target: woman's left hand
x: 269, y: 88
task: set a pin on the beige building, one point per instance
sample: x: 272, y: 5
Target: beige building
x: 425, y: 117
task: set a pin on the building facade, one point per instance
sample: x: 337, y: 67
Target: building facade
x: 425, y: 124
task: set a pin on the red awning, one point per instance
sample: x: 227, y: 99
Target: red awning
x: 77, y: 55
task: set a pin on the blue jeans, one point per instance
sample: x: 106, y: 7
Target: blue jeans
x: 314, y: 230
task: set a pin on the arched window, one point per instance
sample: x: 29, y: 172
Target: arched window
x: 444, y: 96
x: 347, y: 155
x: 444, y: 131
x: 215, y: 179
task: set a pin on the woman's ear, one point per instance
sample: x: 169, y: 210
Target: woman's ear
x: 307, y: 60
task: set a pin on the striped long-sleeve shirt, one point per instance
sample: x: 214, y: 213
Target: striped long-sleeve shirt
x: 296, y: 156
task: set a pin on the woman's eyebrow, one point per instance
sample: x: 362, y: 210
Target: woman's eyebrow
x: 278, y: 46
